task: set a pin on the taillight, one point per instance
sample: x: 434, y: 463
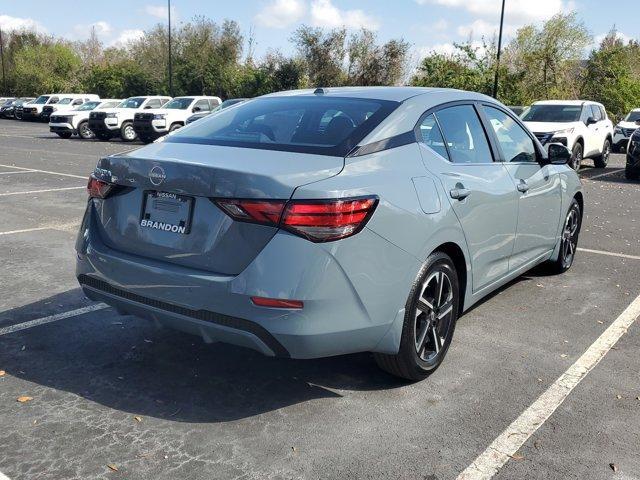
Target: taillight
x: 316, y: 220
x: 97, y: 188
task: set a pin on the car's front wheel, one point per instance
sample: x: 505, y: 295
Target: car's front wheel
x: 576, y: 156
x: 602, y: 160
x: 84, y: 131
x: 430, y: 318
x: 127, y: 132
x: 568, y: 239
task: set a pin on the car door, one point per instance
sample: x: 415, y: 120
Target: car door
x: 479, y: 189
x: 595, y: 139
x: 538, y: 187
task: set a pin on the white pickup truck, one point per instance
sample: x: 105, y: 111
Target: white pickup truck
x: 582, y: 126
x: 158, y: 122
x: 76, y: 122
x: 118, y: 122
x: 43, y: 106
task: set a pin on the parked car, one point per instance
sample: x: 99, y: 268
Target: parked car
x: 581, y: 126
x: 517, y: 109
x: 76, y: 121
x: 222, y: 106
x: 19, y: 109
x: 8, y: 110
x: 158, y: 122
x: 118, y: 122
x: 43, y: 106
x: 5, y: 103
x: 314, y: 223
x: 623, y: 131
x: 632, y: 169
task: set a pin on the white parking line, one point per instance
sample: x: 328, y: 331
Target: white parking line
x: 46, y: 171
x: 610, y: 254
x: 489, y: 462
x: 603, y: 174
x: 64, y: 227
x: 51, y: 318
x: 41, y: 191
x: 18, y: 172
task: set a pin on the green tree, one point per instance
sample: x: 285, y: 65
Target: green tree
x: 46, y: 68
x: 609, y: 77
x: 323, y: 53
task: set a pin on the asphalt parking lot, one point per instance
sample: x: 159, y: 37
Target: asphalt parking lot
x: 113, y: 397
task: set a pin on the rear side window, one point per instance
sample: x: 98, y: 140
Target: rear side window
x: 464, y: 135
x: 319, y: 125
x: 432, y: 137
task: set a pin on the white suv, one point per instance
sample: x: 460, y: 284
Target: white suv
x: 156, y: 123
x: 118, y: 122
x: 582, y: 126
x: 623, y: 131
x: 43, y: 106
x: 76, y: 122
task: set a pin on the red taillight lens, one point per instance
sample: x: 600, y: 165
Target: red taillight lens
x: 316, y: 220
x: 326, y: 220
x: 276, y: 303
x: 97, y: 188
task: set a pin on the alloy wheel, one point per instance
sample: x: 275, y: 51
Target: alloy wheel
x: 576, y: 159
x: 85, y: 131
x: 434, y: 316
x: 570, y: 236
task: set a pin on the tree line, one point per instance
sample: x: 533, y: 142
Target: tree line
x: 540, y: 62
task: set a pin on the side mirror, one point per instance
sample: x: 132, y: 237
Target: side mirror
x: 591, y: 121
x: 558, y: 154
x: 195, y: 109
x: 148, y: 107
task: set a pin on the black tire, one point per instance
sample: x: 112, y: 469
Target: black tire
x: 65, y: 135
x: 175, y: 126
x: 568, y: 242
x: 601, y: 160
x: 84, y: 131
x: 631, y: 174
x: 577, y: 155
x: 430, y: 313
x: 127, y: 133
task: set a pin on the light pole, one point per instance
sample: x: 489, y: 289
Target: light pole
x: 4, y: 78
x: 170, y: 72
x: 495, y: 82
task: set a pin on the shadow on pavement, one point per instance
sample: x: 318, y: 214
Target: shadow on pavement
x: 126, y: 364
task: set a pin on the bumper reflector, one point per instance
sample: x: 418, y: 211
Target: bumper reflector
x: 276, y: 303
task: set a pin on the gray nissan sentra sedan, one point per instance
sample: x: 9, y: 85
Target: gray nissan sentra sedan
x: 322, y: 222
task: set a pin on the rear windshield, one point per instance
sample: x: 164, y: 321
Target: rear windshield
x: 553, y: 113
x: 318, y: 125
x: 633, y: 116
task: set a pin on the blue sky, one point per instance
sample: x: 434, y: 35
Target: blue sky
x: 426, y: 24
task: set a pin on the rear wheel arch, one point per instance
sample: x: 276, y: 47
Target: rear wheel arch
x: 456, y: 254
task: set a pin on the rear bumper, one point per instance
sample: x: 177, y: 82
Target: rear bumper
x: 353, y: 291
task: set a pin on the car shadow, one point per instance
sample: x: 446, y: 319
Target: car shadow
x: 126, y: 363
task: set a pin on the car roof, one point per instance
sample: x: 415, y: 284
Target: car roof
x: 578, y: 103
x: 397, y: 94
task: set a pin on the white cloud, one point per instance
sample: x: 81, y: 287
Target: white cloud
x: 325, y: 14
x: 9, y: 24
x: 440, y: 26
x: 159, y: 11
x: 481, y: 28
x: 102, y: 29
x: 517, y: 11
x: 281, y: 13
x: 126, y: 37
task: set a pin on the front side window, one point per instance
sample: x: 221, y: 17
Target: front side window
x: 516, y: 145
x: 464, y: 135
x: 633, y: 116
x: 179, y: 103
x: 321, y: 125
x: 41, y: 100
x: 595, y: 113
x: 65, y: 101
x: 155, y: 103
x: 202, y: 105
x: 432, y: 137
x: 53, y: 100
x: 553, y: 113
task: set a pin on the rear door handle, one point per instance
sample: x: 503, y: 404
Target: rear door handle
x: 523, y: 186
x: 460, y: 193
